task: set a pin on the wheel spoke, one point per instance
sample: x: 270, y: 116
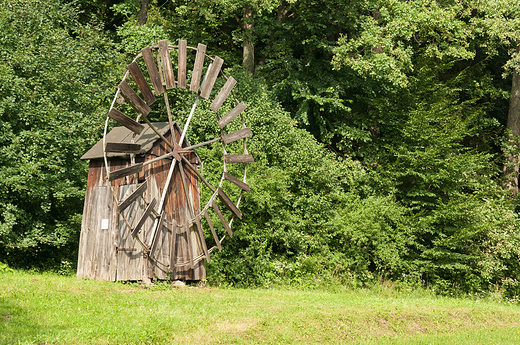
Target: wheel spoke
x: 157, y: 132
x: 185, y: 160
x: 201, y: 144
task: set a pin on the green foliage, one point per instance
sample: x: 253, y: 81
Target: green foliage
x: 303, y: 219
x: 53, y: 90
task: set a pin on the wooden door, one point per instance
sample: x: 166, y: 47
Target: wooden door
x: 97, y: 252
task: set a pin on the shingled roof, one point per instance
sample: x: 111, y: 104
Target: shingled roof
x: 123, y: 135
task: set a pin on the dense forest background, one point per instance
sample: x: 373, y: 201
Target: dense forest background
x: 385, y: 132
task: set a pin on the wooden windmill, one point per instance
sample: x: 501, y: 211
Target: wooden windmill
x: 143, y: 217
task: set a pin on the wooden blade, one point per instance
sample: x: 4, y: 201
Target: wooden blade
x: 153, y: 237
x: 227, y: 201
x: 240, y: 134
x: 132, y: 197
x: 236, y: 181
x: 142, y: 84
x: 169, y: 79
x: 131, y: 96
x: 217, y: 241
x: 144, y: 218
x: 238, y: 159
x: 222, y: 220
x: 152, y: 70
x: 181, y: 73
x: 123, y: 147
x: 114, y: 175
x: 124, y: 120
x: 202, y: 239
x: 232, y: 114
x: 211, y: 77
x: 197, y: 67
x: 223, y: 94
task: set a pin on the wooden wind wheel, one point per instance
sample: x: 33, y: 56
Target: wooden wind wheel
x: 180, y: 156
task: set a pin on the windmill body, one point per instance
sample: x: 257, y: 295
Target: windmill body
x: 107, y: 249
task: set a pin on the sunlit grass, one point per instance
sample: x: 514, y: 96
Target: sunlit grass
x: 52, y: 309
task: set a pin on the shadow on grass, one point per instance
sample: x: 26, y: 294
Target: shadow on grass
x: 17, y: 325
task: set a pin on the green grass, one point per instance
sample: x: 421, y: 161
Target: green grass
x: 52, y: 309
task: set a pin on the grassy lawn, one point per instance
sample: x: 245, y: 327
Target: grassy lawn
x: 51, y: 309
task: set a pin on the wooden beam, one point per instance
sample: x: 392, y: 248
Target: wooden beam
x: 223, y: 94
x: 153, y: 237
x: 222, y: 220
x: 236, y: 181
x: 132, y: 197
x: 232, y: 114
x: 122, y: 147
x: 131, y: 96
x: 144, y: 217
x: 238, y: 159
x: 185, y: 160
x: 211, y: 77
x: 227, y: 201
x: 116, y: 174
x: 169, y: 78
x: 126, y: 121
x: 234, y: 136
x: 152, y: 70
x: 215, y: 237
x: 142, y: 84
x: 197, y: 67
x: 181, y: 73
x: 202, y: 239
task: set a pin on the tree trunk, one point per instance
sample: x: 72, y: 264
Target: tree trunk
x: 248, y: 61
x: 512, y: 152
x: 143, y: 13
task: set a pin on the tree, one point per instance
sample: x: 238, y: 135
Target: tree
x: 53, y: 93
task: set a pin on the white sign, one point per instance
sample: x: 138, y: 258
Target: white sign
x: 104, y: 224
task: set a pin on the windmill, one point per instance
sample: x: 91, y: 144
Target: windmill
x: 143, y: 217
